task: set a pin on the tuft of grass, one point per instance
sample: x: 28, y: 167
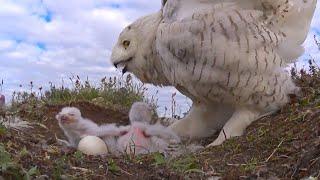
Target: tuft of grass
x: 78, y: 155
x: 159, y: 159
x: 8, y: 166
x: 113, y: 167
x: 186, y: 164
x: 59, y: 167
x: 309, y: 81
x: 116, y: 92
x: 24, y: 152
x: 5, y: 160
x: 112, y: 91
x: 34, y: 171
x: 3, y: 129
x: 250, y: 166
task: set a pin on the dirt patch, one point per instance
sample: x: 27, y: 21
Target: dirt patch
x: 285, y: 145
x: 57, y: 162
x: 282, y: 146
x: 96, y: 113
x: 54, y: 160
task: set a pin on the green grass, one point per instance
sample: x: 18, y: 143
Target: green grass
x: 9, y: 167
x: 59, y: 167
x: 113, y: 167
x: 115, y: 92
x: 112, y: 91
x: 3, y: 129
x: 184, y: 164
x: 6, y: 161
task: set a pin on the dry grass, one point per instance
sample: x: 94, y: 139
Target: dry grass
x: 285, y: 145
x: 118, y: 93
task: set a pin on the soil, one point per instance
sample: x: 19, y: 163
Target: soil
x: 98, y: 114
x: 54, y: 160
x: 285, y: 145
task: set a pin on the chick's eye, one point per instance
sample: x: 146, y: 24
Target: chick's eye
x: 126, y: 43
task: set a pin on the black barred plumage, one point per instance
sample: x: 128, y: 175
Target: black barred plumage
x: 228, y: 56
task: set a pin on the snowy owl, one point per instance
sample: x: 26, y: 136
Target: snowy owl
x: 228, y: 56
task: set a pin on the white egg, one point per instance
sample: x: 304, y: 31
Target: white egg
x: 92, y: 145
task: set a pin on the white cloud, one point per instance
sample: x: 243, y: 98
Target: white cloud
x: 10, y: 9
x: 6, y: 45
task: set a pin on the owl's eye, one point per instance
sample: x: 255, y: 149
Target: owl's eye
x: 126, y: 44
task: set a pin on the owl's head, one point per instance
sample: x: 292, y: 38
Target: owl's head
x: 140, y: 112
x: 69, y: 115
x: 133, y: 51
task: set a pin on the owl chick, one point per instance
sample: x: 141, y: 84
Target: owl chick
x: 74, y: 125
x: 141, y: 137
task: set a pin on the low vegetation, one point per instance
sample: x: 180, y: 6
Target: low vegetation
x: 117, y: 93
x: 284, y: 145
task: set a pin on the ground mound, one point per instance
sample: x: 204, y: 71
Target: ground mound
x: 284, y: 145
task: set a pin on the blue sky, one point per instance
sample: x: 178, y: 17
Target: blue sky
x: 49, y: 40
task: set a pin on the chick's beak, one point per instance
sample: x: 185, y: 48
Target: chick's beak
x: 64, y: 118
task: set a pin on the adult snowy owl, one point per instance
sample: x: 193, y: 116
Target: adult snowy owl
x: 228, y: 56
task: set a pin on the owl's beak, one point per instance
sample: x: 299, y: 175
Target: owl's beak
x: 124, y: 70
x: 116, y: 64
x: 122, y: 62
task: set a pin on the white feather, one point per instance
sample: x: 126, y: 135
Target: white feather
x: 219, y: 53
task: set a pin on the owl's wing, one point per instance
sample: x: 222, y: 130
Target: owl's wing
x: 211, y: 49
x: 243, y: 33
x: 215, y: 37
x: 293, y: 17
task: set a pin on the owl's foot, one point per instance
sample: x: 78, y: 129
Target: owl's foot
x: 202, y: 121
x: 181, y: 127
x: 188, y: 128
x: 236, y: 125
